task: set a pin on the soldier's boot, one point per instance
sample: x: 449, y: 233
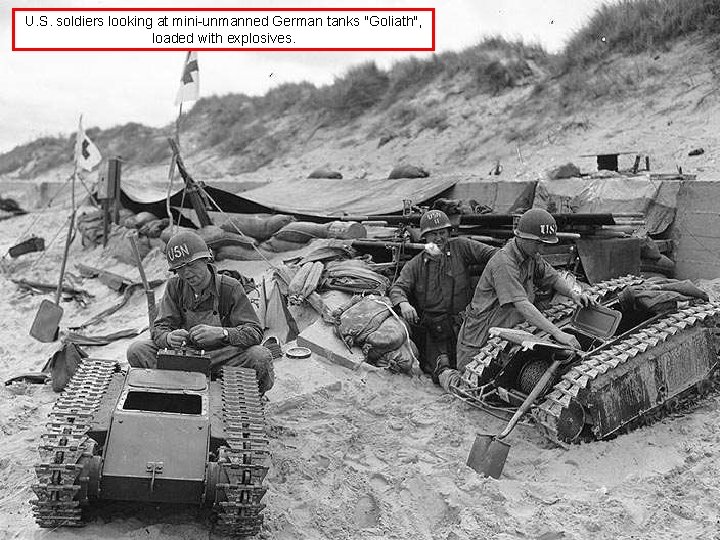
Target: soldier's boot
x: 449, y: 379
x: 442, y: 362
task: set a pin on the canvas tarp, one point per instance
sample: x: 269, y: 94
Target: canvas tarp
x: 653, y: 199
x: 311, y: 197
x: 325, y: 197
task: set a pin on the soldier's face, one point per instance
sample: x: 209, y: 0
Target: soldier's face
x: 439, y: 237
x: 530, y: 247
x: 196, y: 274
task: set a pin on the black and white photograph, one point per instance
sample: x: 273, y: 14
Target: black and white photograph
x: 360, y: 270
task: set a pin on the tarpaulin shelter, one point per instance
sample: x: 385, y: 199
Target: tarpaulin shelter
x: 319, y: 198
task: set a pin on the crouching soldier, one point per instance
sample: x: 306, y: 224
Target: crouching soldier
x: 434, y: 288
x: 206, y: 310
x: 505, y: 294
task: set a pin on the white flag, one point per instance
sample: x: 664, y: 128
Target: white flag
x: 87, y: 154
x: 190, y: 81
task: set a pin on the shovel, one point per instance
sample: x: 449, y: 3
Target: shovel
x: 149, y: 293
x: 47, y: 320
x: 489, y: 452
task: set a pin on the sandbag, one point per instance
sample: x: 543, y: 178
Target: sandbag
x: 400, y: 360
x: 171, y: 231
x: 325, y: 173
x: 371, y: 323
x: 236, y: 253
x: 275, y: 245
x: 215, y: 237
x: 120, y: 248
x: 390, y: 335
x: 408, y: 171
x: 301, y: 231
x: 154, y: 228
x: 363, y: 318
x: 345, y: 230
x: 138, y: 220
x: 259, y: 226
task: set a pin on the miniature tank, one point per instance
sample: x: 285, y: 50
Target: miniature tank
x: 636, y: 366
x: 167, y: 435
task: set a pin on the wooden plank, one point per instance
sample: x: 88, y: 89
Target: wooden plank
x: 321, y: 339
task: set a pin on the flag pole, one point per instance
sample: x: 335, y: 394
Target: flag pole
x: 171, y: 172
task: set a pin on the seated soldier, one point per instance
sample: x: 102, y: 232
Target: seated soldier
x: 205, y: 310
x: 505, y: 294
x: 434, y: 288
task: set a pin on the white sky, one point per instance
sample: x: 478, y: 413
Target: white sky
x: 43, y: 93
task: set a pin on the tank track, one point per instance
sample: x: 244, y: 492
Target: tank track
x: 245, y: 461
x: 61, y: 490
x: 597, y: 370
x: 473, y: 374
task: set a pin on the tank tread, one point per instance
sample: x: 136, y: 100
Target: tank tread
x: 473, y: 373
x: 245, y: 461
x: 550, y: 414
x: 61, y: 491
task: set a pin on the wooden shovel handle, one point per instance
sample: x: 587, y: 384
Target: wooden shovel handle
x: 532, y: 396
x: 138, y: 260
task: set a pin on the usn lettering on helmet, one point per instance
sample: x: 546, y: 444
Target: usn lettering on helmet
x: 177, y: 251
x: 548, y: 229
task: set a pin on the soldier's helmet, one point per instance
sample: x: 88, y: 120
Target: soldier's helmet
x: 434, y: 220
x: 185, y: 247
x: 537, y: 224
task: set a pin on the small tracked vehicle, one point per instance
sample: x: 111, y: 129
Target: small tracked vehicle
x: 166, y: 435
x: 634, y: 368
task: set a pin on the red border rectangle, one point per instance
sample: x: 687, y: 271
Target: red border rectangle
x: 274, y: 49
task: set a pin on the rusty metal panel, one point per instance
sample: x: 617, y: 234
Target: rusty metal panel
x: 625, y: 397
x: 688, y: 362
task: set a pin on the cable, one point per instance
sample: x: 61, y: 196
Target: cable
x: 252, y: 240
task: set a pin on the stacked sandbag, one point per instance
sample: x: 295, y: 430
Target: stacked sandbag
x: 120, y: 248
x: 293, y: 236
x: 371, y: 323
x: 154, y: 228
x: 224, y: 244
x: 89, y: 223
x: 305, y: 281
x: 258, y: 226
x: 297, y: 234
x: 136, y: 221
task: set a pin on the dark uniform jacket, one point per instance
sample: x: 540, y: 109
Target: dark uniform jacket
x: 235, y: 310
x: 441, y: 285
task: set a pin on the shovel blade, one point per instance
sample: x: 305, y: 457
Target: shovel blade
x: 47, y: 320
x: 488, y: 455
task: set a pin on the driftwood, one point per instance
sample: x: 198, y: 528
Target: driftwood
x: 79, y: 295
x: 129, y: 290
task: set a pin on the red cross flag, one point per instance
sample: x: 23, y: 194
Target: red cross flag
x: 190, y: 81
x: 87, y: 154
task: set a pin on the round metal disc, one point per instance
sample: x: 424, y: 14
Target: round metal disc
x: 298, y: 352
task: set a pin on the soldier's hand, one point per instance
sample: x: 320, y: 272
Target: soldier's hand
x: 567, y: 339
x: 177, y: 338
x: 408, y: 312
x: 206, y: 335
x: 583, y: 299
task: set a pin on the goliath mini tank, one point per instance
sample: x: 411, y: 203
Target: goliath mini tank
x: 166, y: 435
x: 634, y: 367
